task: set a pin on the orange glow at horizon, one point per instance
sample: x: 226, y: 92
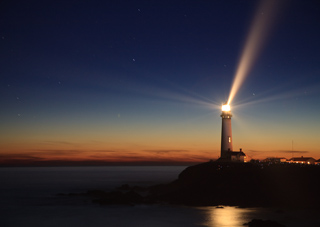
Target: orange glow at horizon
x: 29, y: 153
x: 258, y: 32
x: 26, y: 153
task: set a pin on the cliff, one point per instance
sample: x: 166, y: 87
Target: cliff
x: 243, y: 184
x: 226, y: 183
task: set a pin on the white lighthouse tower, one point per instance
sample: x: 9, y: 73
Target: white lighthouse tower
x: 227, y: 153
x: 226, y: 132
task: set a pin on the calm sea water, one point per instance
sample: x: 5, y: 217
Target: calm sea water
x: 28, y: 198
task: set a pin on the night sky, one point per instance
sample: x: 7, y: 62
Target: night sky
x: 144, y: 81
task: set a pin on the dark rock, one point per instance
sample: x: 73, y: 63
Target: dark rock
x: 279, y: 211
x: 118, y: 197
x: 73, y: 194
x: 225, y: 183
x: 96, y: 193
x: 124, y: 187
x: 61, y: 194
x: 134, y: 197
x: 242, y: 184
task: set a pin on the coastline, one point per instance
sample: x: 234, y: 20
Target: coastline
x: 226, y: 184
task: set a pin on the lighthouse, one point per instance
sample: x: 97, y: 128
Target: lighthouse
x: 227, y: 153
x: 226, y: 131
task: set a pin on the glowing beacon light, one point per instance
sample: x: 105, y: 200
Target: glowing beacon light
x: 225, y: 107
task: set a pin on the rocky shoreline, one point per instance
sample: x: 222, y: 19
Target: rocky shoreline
x: 228, y: 184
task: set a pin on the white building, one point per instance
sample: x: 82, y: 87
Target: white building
x: 227, y: 153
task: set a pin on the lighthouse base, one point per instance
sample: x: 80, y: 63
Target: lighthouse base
x: 233, y: 156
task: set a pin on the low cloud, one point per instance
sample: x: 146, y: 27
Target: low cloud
x: 103, y: 154
x: 45, y: 154
x: 165, y: 151
x: 278, y: 151
x: 59, y: 142
x: 254, y: 151
x: 58, y: 152
x: 68, y: 152
x: 19, y: 157
x: 294, y: 152
x: 104, y: 151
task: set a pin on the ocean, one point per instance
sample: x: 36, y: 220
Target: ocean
x: 28, y: 197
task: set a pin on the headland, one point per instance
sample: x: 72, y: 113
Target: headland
x: 227, y: 184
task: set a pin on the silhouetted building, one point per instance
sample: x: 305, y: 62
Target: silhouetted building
x: 302, y: 160
x: 237, y: 156
x: 275, y: 160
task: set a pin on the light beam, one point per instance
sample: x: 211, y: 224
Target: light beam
x: 257, y: 35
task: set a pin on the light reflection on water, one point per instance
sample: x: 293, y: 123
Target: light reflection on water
x: 227, y: 216
x: 236, y: 217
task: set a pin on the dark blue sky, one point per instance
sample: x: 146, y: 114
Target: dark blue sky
x: 157, y: 64
x: 182, y: 41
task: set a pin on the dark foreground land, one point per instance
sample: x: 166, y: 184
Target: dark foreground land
x: 233, y: 184
x: 244, y: 184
